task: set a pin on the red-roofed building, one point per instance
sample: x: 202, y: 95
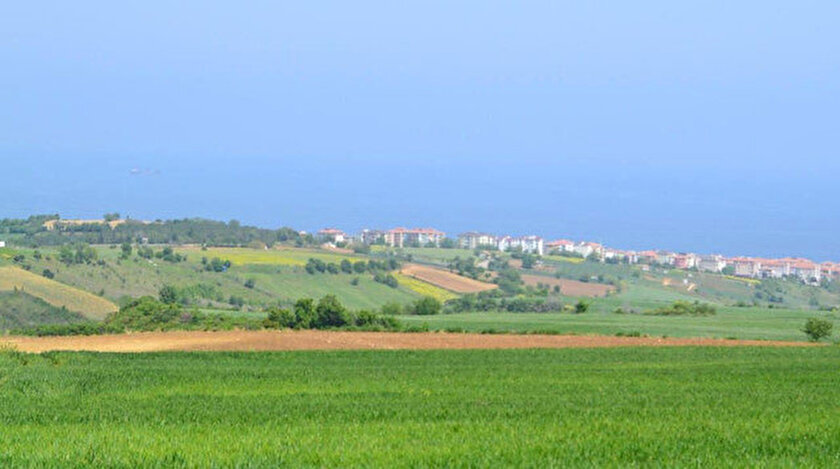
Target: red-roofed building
x: 332, y: 235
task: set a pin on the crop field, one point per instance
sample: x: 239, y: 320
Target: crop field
x: 729, y: 322
x: 425, y: 289
x: 55, y: 293
x: 572, y: 260
x: 445, y: 279
x: 569, y: 287
x: 481, y: 408
x: 277, y: 256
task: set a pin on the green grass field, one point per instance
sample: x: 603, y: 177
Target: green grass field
x: 740, y: 323
x: 676, y: 407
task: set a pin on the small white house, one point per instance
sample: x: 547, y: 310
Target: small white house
x: 2, y: 244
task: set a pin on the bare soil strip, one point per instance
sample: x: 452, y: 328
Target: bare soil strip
x: 337, y: 340
x: 445, y: 279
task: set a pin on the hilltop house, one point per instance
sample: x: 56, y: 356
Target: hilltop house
x: 473, y: 240
x: 560, y: 246
x: 745, y: 267
x: 404, y: 237
x: 711, y: 263
x: 2, y: 244
x: 532, y: 244
x: 371, y: 236
x: 332, y: 235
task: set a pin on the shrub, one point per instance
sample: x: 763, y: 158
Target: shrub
x: 330, y: 313
x: 817, y: 329
x: 685, y: 308
x: 426, y: 306
x: 250, y: 283
x: 581, y: 307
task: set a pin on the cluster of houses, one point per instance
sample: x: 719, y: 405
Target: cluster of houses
x: 397, y: 237
x: 749, y: 267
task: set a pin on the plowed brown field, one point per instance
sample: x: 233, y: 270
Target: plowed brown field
x: 570, y: 287
x: 334, y: 340
x: 445, y: 279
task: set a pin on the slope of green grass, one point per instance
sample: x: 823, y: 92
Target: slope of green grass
x: 689, y: 407
x: 19, y: 309
x: 276, y: 279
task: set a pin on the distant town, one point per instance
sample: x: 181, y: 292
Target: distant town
x: 806, y: 270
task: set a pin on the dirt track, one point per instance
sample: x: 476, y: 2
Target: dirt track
x: 329, y: 340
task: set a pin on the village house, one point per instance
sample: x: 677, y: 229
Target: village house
x: 560, y: 246
x: 473, y: 240
x: 711, y: 263
x: 332, y: 235
x: 685, y: 261
x: 2, y: 244
x: 586, y: 249
x: 665, y: 258
x: 404, y: 237
x: 368, y: 236
x: 531, y: 244
x: 745, y: 267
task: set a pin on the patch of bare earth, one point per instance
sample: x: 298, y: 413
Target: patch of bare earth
x: 338, y: 340
x: 569, y: 287
x: 445, y: 279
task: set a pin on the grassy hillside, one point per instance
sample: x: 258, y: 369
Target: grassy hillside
x: 55, y: 293
x: 19, y: 310
x: 751, y: 407
x: 278, y: 275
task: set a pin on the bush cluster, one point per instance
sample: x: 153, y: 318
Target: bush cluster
x: 685, y: 308
x: 495, y: 301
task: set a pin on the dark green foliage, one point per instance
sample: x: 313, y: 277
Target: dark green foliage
x: 279, y: 318
x: 685, y: 308
x: 185, y: 231
x: 387, y: 279
x: 78, y: 254
x: 346, y: 266
x: 497, y: 301
x: 304, y: 313
x: 426, y: 306
x: 250, y: 283
x: 168, y: 294
x: 48, y: 273
x: 217, y: 265
x: 330, y: 313
x: 817, y: 329
x: 125, y: 249
x: 509, y: 281
x: 581, y: 307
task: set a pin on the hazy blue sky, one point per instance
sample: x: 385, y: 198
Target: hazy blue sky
x: 710, y: 126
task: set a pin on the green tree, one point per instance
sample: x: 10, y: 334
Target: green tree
x: 330, y: 313
x: 168, y: 294
x: 304, y: 313
x: 427, y: 306
x: 817, y: 329
x: 126, y: 250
